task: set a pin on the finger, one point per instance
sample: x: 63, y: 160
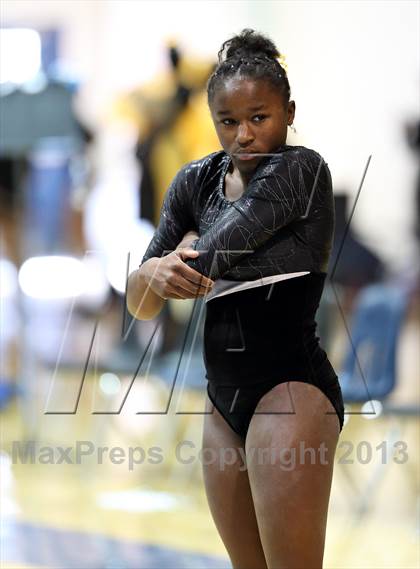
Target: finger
x: 173, y: 292
x: 187, y: 293
x: 189, y: 273
x: 188, y: 289
x: 180, y: 294
x: 185, y: 287
x: 183, y: 276
x: 189, y: 279
x: 186, y: 252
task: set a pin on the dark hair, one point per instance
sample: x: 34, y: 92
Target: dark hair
x: 252, y: 55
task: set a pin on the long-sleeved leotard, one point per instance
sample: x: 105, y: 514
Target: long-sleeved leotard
x: 282, y: 223
x: 257, y: 338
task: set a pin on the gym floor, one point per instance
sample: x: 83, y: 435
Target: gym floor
x: 134, y: 496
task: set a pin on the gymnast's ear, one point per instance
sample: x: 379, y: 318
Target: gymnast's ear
x: 291, y: 109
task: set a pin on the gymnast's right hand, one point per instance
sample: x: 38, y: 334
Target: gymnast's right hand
x: 170, y: 277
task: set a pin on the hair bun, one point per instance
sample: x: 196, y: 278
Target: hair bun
x: 248, y: 44
x: 250, y: 56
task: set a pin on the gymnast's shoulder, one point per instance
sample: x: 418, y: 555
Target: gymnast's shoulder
x: 299, y: 153
x: 205, y: 166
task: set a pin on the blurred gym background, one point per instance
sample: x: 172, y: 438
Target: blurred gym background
x: 101, y: 102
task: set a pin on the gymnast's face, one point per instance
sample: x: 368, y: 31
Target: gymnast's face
x: 250, y: 116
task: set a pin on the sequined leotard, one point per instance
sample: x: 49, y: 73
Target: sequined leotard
x: 283, y: 223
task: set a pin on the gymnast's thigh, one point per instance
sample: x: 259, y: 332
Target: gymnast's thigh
x: 290, y: 446
x: 228, y: 491
x: 298, y: 408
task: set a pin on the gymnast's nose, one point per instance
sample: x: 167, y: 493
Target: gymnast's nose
x: 244, y: 135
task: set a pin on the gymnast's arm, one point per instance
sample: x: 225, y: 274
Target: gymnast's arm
x: 163, y: 273
x: 277, y: 194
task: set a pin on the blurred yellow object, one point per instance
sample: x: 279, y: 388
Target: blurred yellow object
x: 189, y: 136
x: 282, y: 61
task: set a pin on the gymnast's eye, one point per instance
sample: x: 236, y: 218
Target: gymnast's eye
x: 259, y: 118
x: 227, y: 122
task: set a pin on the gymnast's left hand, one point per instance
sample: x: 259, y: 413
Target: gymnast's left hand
x: 188, y: 238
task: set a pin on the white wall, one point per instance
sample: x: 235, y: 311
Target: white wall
x: 354, y: 72
x: 353, y: 68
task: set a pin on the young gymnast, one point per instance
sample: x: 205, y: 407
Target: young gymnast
x: 250, y: 228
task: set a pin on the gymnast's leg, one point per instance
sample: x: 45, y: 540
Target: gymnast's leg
x: 229, y: 494
x: 291, y: 491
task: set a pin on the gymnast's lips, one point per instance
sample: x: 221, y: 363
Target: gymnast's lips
x: 248, y: 155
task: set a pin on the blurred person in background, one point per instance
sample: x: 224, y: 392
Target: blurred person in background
x: 173, y: 123
x: 250, y: 229
x: 149, y: 133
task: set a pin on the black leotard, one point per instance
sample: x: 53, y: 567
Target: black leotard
x: 260, y: 337
x: 279, y: 225
x: 283, y: 223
